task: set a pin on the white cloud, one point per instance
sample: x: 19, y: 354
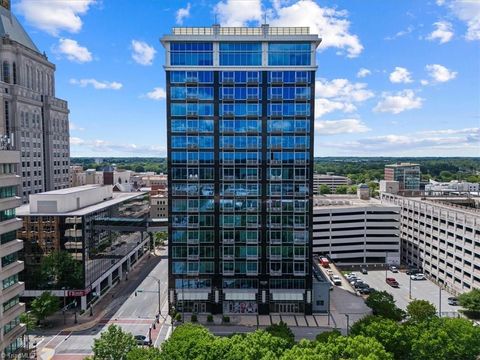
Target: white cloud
x: 467, y: 11
x: 343, y: 126
x: 142, y: 53
x: 238, y: 13
x: 325, y: 106
x: 440, y: 73
x: 363, y: 72
x: 398, y: 102
x: 182, y: 14
x: 157, y: 93
x: 74, y: 127
x: 103, y: 146
x: 443, y: 32
x: 401, y: 33
x: 339, y: 95
x: 330, y: 24
x: 342, y: 89
x: 400, y: 75
x: 446, y: 142
x: 73, y: 51
x: 54, y: 16
x: 99, y: 85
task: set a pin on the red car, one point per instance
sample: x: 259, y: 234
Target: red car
x: 392, y: 282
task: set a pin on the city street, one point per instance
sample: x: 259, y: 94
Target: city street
x: 421, y: 289
x: 134, y: 314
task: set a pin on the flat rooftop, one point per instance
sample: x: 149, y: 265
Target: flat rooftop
x: 402, y: 165
x: 345, y: 201
x: 70, y: 191
x: 118, y: 197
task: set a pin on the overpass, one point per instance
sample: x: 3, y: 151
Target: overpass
x: 131, y: 224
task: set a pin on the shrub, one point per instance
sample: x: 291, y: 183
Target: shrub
x: 194, y: 318
x: 226, y: 319
x: 178, y: 317
x: 210, y: 318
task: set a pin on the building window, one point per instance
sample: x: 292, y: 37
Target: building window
x: 6, y: 72
x: 240, y: 54
x: 191, y: 53
x: 281, y: 54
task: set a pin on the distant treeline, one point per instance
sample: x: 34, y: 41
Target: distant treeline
x: 360, y: 170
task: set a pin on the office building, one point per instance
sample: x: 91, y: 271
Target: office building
x: 107, y: 176
x: 11, y: 330
x: 240, y: 112
x: 86, y: 223
x: 452, y: 187
x: 158, y: 206
x: 441, y: 236
x: 355, y: 231
x: 330, y: 180
x: 31, y: 115
x: 407, y: 174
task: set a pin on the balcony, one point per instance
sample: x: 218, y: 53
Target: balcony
x: 11, y: 247
x: 15, y: 333
x: 12, y: 291
x: 10, y: 203
x: 12, y: 269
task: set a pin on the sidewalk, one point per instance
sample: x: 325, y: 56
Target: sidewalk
x: 106, y: 305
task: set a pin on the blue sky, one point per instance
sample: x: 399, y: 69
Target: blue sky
x: 395, y: 78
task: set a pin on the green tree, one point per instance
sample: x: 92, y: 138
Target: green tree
x: 29, y: 320
x: 341, y: 189
x: 281, y: 330
x: 383, y: 304
x: 471, y: 302
x: 252, y: 346
x: 339, y: 347
x: 113, y: 344
x: 59, y: 269
x: 446, y: 338
x: 421, y: 310
x: 188, y: 341
x: 352, y: 189
x: 391, y: 334
x: 327, y: 335
x: 44, y: 306
x: 144, y: 353
x: 139, y: 168
x: 324, y: 189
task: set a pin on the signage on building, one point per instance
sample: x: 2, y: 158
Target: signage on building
x: 84, y: 292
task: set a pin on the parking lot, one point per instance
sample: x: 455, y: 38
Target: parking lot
x: 421, y: 289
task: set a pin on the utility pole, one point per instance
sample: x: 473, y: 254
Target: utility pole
x: 348, y: 323
x: 440, y: 301
x: 410, y: 286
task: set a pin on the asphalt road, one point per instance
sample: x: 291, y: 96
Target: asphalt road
x: 421, y: 289
x: 134, y: 314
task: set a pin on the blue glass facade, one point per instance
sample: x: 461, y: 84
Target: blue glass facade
x: 287, y: 54
x: 240, y: 179
x: 191, y: 53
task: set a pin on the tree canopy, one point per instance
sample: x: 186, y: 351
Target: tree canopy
x: 113, y: 344
x: 421, y: 310
x: 44, y: 305
x: 383, y: 304
x: 471, y: 302
x: 59, y: 269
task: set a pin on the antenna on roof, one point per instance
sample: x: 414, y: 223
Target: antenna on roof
x: 265, y: 18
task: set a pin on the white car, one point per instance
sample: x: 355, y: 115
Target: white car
x: 336, y: 280
x: 417, y: 277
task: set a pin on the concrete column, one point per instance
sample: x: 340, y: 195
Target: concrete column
x: 97, y: 290
x: 110, y: 280
x: 120, y: 272
x: 83, y: 303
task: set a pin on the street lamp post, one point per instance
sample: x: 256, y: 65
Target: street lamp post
x: 440, y: 301
x: 64, y: 304
x: 159, y: 294
x: 409, y: 286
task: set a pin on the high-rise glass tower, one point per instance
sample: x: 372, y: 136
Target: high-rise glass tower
x: 240, y: 123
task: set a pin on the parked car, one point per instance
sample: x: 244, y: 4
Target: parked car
x: 351, y: 275
x: 392, y: 282
x: 336, y: 280
x: 453, y: 301
x: 329, y: 271
x: 142, y: 340
x: 364, y: 271
x: 393, y: 269
x: 366, y: 291
x: 361, y: 285
x: 355, y: 281
x: 418, y: 276
x: 412, y: 271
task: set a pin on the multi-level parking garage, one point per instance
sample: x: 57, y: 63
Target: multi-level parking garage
x: 441, y: 235
x: 352, y: 231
